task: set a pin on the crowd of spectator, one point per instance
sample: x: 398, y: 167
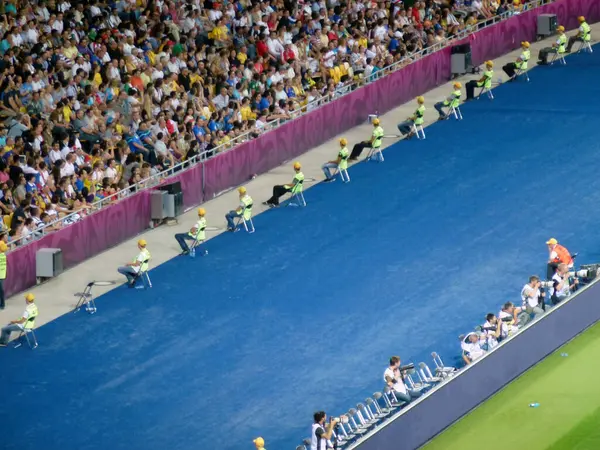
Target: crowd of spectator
x: 96, y: 97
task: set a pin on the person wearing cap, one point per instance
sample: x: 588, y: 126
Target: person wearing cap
x: 3, y: 266
x: 374, y: 142
x: 341, y: 163
x: 197, y: 233
x: 520, y: 64
x: 292, y: 187
x: 452, y: 101
x: 139, y: 263
x: 407, y: 128
x: 244, y: 208
x: 485, y: 81
x: 259, y: 443
x: 583, y: 34
x: 559, y: 47
x: 557, y: 254
x: 26, y: 321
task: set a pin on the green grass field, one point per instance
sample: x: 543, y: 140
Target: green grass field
x: 568, y: 418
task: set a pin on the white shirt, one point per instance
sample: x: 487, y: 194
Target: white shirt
x: 110, y: 173
x: 399, y: 384
x: 507, y: 328
x: 54, y: 155
x: 473, y: 350
x: 67, y: 169
x: 565, y: 291
x: 141, y: 257
x: 529, y: 296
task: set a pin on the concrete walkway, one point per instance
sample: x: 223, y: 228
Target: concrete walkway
x: 56, y: 297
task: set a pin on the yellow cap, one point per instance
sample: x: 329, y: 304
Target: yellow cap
x: 420, y: 99
x: 3, y: 247
x: 142, y: 242
x: 375, y: 122
x: 561, y: 28
x: 343, y: 142
x: 551, y: 241
x: 259, y: 442
x: 525, y: 44
x: 458, y: 85
x: 581, y: 19
x: 201, y: 212
x: 297, y: 165
x: 516, y: 2
x: 242, y: 190
x: 489, y: 63
x: 29, y: 297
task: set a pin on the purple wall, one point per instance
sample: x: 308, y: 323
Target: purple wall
x: 204, y: 181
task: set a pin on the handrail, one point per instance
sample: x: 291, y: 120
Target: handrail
x: 238, y: 140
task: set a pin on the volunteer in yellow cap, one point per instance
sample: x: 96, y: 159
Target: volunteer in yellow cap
x: 139, y: 264
x: 374, y: 142
x: 559, y: 46
x: 259, y: 443
x: 197, y: 235
x: 294, y: 187
x: 406, y: 128
x: 452, y: 101
x: 484, y: 82
x: 340, y: 163
x: 520, y: 64
x: 584, y: 34
x: 557, y: 254
x: 244, y: 209
x: 26, y: 321
x: 3, y: 267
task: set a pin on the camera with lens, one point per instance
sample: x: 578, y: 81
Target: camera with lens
x: 507, y: 319
x: 546, y: 285
x: 587, y: 272
x: 406, y: 367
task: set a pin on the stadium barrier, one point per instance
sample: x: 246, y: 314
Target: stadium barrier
x: 452, y: 399
x: 205, y: 180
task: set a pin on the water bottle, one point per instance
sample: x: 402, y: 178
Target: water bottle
x: 534, y: 405
x: 564, y: 355
x: 193, y: 253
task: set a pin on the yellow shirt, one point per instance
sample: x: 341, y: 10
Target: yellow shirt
x: 67, y: 113
x: 97, y: 79
x: 242, y: 57
x: 218, y: 33
x: 363, y: 42
x: 70, y: 52
x: 145, y: 79
x: 247, y: 113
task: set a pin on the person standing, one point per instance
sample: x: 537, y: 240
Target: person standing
x: 520, y: 64
x: 139, y: 263
x: 244, y: 209
x: 341, y: 163
x: 294, y: 187
x: 320, y: 433
x: 374, y: 142
x: 557, y: 254
x: 485, y: 81
x: 452, y: 101
x: 3, y: 271
x: 583, y: 34
x: 407, y: 128
x: 560, y: 47
x: 25, y: 322
x: 197, y: 234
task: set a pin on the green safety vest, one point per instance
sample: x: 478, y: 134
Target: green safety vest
x: 419, y: 114
x: 522, y: 65
x: 378, y: 135
x: 487, y: 82
x: 296, y: 188
x: 343, y: 155
x: 144, y: 263
x: 584, y: 31
x: 562, y: 43
x: 200, y: 227
x: 246, y: 204
x: 32, y: 313
x: 454, y: 100
x: 2, y: 266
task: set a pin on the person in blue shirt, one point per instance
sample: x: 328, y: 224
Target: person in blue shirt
x: 136, y: 145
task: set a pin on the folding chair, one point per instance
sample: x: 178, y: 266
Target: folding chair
x: 520, y: 72
x: 441, y: 370
x: 426, y: 374
x: 455, y: 111
x: 248, y: 224
x: 373, y: 152
x: 195, y: 244
x: 417, y: 129
x: 585, y: 46
x: 364, y: 416
x: 560, y: 57
x: 343, y: 173
x: 375, y: 409
x: 413, y: 385
x: 143, y: 275
x: 390, y: 398
x: 29, y: 335
x: 86, y: 298
x: 301, y: 447
x: 387, y: 408
x: 354, y: 426
x: 485, y: 90
x: 297, y: 198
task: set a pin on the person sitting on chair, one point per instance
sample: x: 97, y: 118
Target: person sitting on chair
x: 341, y: 163
x: 196, y: 234
x: 394, y: 378
x: 520, y: 64
x: 452, y: 101
x: 484, y: 82
x: 374, y: 142
x: 583, y: 34
x: 558, y: 47
x: 25, y: 322
x: 408, y: 127
x: 140, y: 262
x: 244, y: 209
x: 557, y: 254
x: 281, y: 189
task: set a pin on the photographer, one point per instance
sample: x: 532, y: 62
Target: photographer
x: 561, y: 287
x: 533, y: 297
x: 394, y: 378
x: 319, y: 436
x: 492, y: 330
x: 471, y: 347
x: 512, y: 319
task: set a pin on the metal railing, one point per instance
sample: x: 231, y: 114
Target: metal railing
x: 345, y: 89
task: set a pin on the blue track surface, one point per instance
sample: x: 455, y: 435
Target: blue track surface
x: 303, y: 314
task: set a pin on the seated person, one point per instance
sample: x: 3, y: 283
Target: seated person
x: 340, y: 163
x: 471, y: 347
x: 557, y: 255
x: 294, y: 187
x: 561, y: 284
x: 560, y: 47
x: 512, y: 318
x: 533, y: 297
x: 25, y: 322
x: 491, y: 331
x: 394, y: 378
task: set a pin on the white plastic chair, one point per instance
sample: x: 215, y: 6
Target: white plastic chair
x: 413, y: 385
x: 426, y: 374
x: 419, y: 129
x: 374, y: 409
x: 356, y: 427
x: 29, y: 336
x: 343, y: 173
x: 585, y: 46
x: 455, y: 111
x: 441, y: 370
